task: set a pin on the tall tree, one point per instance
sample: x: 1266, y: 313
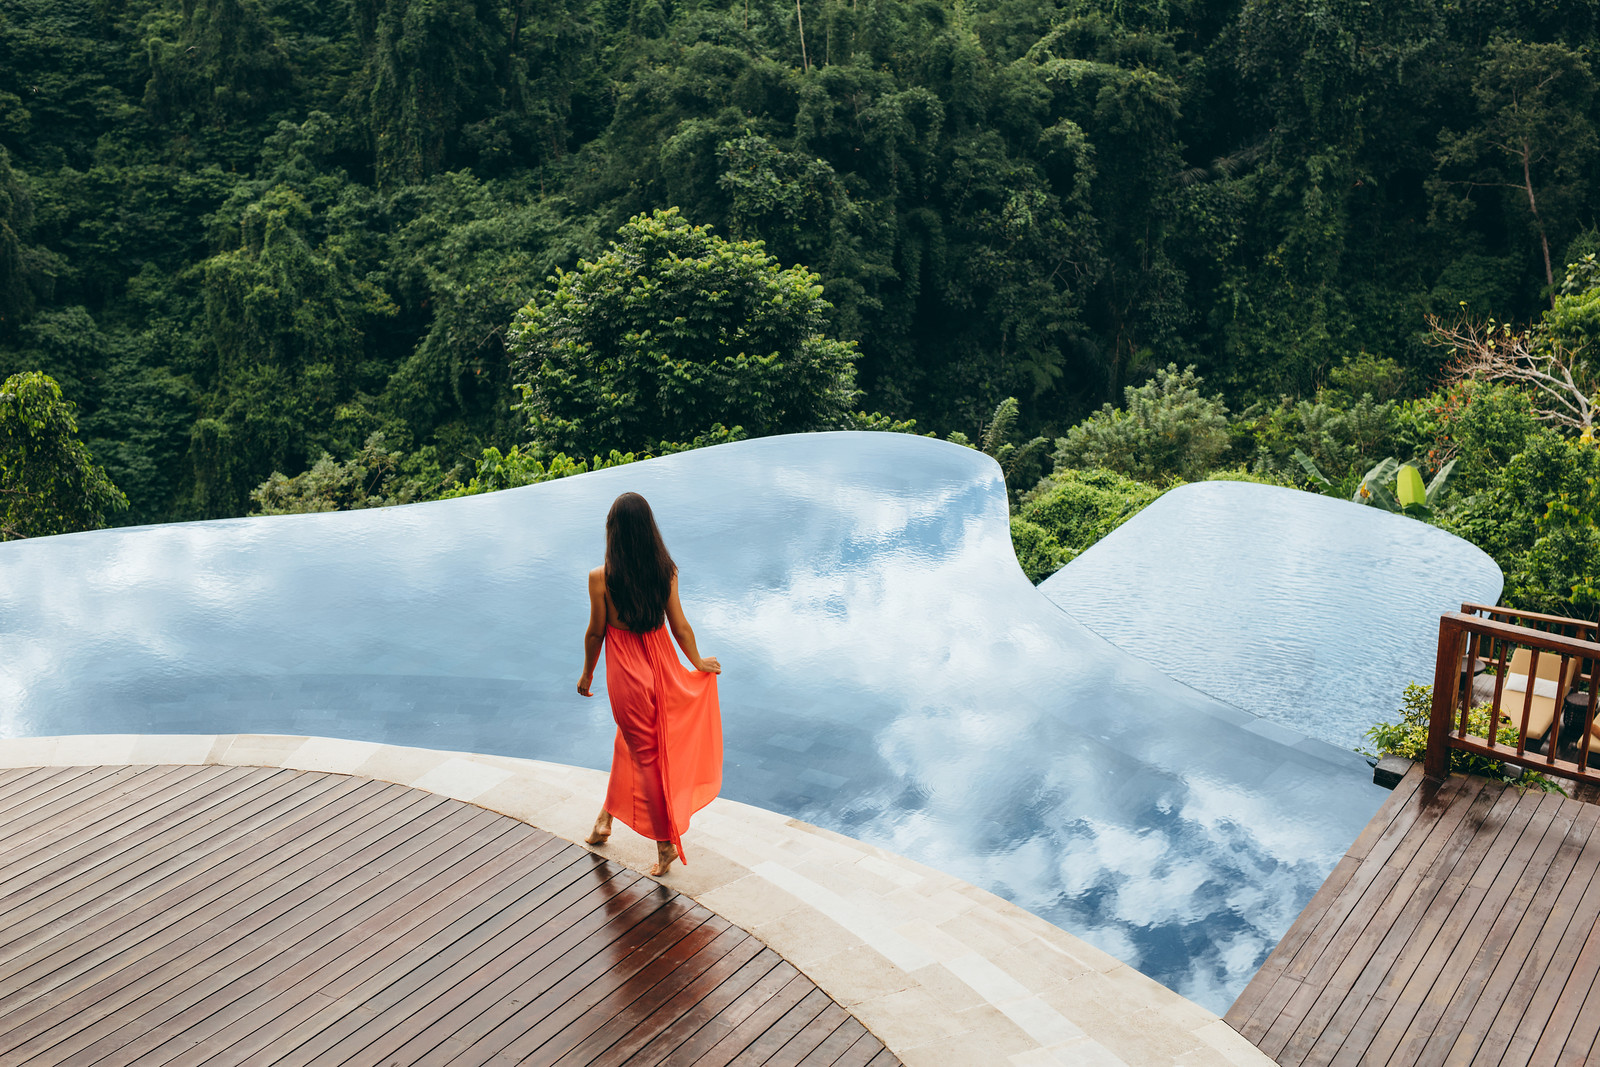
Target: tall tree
x: 286, y: 325
x: 221, y: 72
x: 673, y: 334
x: 1533, y: 142
x: 433, y: 67
x: 49, y: 483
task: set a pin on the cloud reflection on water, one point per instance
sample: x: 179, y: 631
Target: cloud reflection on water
x: 890, y: 673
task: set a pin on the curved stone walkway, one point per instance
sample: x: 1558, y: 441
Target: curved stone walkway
x: 945, y: 974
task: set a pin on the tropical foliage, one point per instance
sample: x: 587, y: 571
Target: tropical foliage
x: 49, y: 483
x: 291, y: 256
x: 1408, y: 737
x: 670, y: 334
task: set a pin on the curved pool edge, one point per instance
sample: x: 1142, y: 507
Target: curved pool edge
x: 944, y: 973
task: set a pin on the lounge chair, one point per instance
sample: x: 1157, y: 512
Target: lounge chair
x: 1550, y: 686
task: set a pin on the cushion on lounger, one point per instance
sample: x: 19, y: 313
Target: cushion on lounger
x: 1542, y: 687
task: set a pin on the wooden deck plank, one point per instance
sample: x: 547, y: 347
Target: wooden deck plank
x: 600, y: 1027
x: 1584, y: 1040
x: 409, y: 982
x: 180, y: 916
x: 810, y: 1038
x: 1395, y: 926
x: 1549, y: 912
x: 827, y: 1054
x: 521, y: 966
x: 119, y: 936
x: 14, y: 780
x: 1346, y: 919
x: 45, y: 798
x: 1488, y: 890
x: 144, y: 797
x: 759, y: 1040
x: 1575, y: 987
x: 220, y: 983
x: 1341, y: 976
x: 272, y: 997
x: 522, y: 1030
x: 190, y: 858
x: 653, y: 1020
x: 745, y: 1019
x: 1561, y: 969
x: 717, y: 1011
x: 146, y: 1000
x: 603, y: 1000
x: 1450, y: 1033
x: 558, y: 1028
x: 1467, y: 932
x: 271, y: 1019
x: 99, y: 892
x: 1388, y: 1006
x: 1311, y: 932
x: 168, y: 923
x: 109, y: 867
x: 860, y: 1054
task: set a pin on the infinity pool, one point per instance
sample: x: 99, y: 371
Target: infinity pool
x: 1311, y: 612
x: 890, y: 674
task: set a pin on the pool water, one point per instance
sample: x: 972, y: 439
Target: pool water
x: 889, y: 673
x: 1312, y: 612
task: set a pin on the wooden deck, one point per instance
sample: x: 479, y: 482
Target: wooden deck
x: 235, y: 915
x: 1461, y: 928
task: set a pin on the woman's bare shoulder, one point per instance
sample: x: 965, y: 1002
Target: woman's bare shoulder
x: 597, y: 576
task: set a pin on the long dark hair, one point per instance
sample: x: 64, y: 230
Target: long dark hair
x: 638, y: 568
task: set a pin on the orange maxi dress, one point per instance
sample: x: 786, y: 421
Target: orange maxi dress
x: 667, y: 762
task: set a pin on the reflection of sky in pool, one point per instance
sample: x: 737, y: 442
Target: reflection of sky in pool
x: 890, y: 674
x: 1313, y: 612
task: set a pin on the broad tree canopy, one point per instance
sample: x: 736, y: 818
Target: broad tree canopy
x: 675, y: 334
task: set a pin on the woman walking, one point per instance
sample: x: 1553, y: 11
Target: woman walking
x: 667, y: 762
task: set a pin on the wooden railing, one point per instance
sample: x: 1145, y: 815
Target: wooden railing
x: 1524, y: 676
x: 1582, y: 629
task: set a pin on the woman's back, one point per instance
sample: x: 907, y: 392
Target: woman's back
x: 613, y: 615
x: 659, y: 707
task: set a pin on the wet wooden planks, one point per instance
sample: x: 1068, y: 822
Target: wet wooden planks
x: 186, y: 915
x: 1462, y: 927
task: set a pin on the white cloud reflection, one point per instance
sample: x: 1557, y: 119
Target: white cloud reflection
x: 863, y: 582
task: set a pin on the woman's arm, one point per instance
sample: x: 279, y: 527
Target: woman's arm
x: 595, y: 635
x: 683, y: 633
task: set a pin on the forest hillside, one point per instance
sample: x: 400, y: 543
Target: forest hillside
x: 275, y: 251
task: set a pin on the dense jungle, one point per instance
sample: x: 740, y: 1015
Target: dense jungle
x: 277, y: 255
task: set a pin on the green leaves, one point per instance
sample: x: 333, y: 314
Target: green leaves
x: 1167, y: 429
x: 49, y: 483
x: 672, y: 333
x: 1068, y: 512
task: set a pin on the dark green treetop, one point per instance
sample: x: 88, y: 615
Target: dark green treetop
x: 49, y: 483
x: 675, y: 334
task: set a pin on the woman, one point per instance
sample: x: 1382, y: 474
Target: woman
x: 667, y: 762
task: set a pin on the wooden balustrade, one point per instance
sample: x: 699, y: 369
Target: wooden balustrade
x: 1561, y: 738
x: 1582, y: 629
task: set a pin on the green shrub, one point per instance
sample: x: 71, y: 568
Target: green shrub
x: 496, y: 470
x: 1039, y: 554
x: 1409, y: 738
x: 1265, y: 477
x: 1074, y: 509
x: 1165, y: 430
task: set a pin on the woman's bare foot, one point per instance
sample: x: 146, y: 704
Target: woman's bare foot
x: 665, y: 854
x: 601, y: 831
